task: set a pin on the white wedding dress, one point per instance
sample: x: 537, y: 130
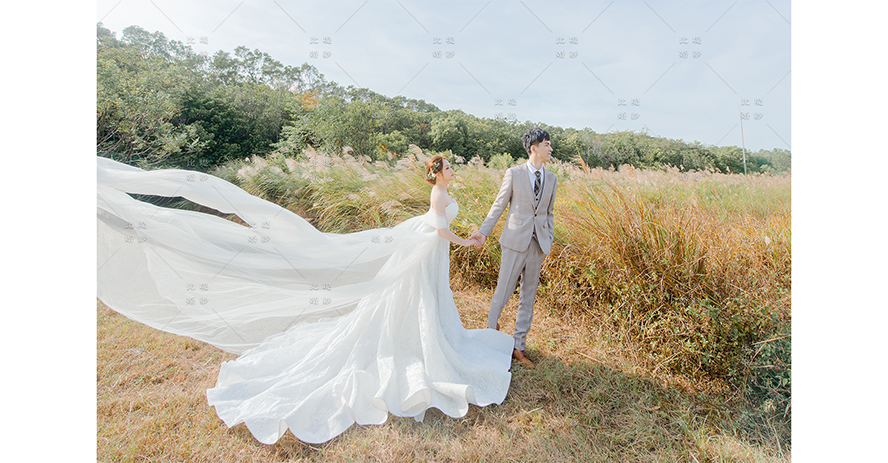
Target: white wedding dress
x: 332, y: 329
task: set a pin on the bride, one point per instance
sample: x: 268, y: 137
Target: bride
x: 331, y: 329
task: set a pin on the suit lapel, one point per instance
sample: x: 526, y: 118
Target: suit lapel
x: 525, y: 183
x: 547, y: 188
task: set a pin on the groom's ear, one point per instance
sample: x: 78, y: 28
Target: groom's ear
x: 535, y: 146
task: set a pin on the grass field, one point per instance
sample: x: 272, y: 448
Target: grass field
x: 662, y: 330
x: 586, y: 401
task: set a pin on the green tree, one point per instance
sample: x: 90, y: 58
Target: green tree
x: 136, y: 97
x: 451, y: 132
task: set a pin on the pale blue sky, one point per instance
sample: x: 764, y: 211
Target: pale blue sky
x: 684, y: 70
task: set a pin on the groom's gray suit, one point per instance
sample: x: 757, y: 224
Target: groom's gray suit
x: 526, y: 240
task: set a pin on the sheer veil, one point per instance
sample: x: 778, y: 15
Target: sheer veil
x: 227, y: 284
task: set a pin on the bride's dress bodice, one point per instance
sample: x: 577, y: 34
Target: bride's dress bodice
x: 451, y: 211
x: 332, y: 329
x: 435, y: 220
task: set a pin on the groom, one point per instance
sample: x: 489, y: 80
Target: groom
x: 528, y: 191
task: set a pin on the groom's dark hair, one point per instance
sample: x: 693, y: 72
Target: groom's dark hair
x: 534, y: 136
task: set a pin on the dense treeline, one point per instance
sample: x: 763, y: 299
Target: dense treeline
x: 160, y: 104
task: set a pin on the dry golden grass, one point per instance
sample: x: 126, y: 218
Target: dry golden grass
x: 588, y: 400
x: 661, y: 330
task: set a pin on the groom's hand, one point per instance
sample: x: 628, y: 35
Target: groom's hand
x: 479, y: 237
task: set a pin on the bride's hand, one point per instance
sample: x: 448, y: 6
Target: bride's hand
x: 474, y: 242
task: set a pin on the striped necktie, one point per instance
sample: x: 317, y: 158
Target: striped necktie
x: 536, y: 184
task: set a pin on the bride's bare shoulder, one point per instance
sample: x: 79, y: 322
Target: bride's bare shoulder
x: 439, y: 200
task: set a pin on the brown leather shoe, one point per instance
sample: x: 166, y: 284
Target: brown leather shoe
x: 497, y: 326
x: 522, y: 360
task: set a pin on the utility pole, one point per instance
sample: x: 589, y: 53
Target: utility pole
x: 743, y: 143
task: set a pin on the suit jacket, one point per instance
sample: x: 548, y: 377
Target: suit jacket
x: 524, y: 219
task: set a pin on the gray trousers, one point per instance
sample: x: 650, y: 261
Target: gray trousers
x: 527, y: 265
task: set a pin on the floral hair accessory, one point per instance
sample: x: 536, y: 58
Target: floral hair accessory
x: 432, y: 175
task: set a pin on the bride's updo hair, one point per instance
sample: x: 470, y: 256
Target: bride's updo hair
x: 435, y: 165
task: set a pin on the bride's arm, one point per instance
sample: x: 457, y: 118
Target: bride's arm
x: 446, y: 233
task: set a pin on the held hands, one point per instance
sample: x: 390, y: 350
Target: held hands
x: 476, y: 240
x: 479, y: 237
x: 472, y: 241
